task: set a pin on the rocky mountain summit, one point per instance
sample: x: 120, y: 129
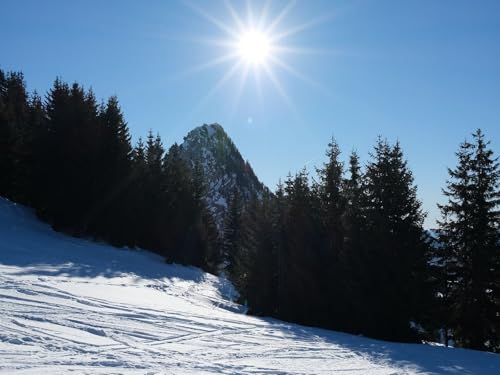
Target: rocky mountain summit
x: 223, y: 167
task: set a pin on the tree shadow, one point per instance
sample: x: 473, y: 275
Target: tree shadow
x: 37, y: 249
x: 416, y: 358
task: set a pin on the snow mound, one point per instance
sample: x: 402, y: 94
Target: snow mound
x: 71, y: 305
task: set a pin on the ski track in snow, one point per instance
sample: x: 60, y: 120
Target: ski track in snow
x: 72, y: 306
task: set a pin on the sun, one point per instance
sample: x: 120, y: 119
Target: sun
x: 256, y: 43
x: 254, y: 47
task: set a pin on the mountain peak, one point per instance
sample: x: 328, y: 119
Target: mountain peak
x: 207, y: 131
x: 223, y: 167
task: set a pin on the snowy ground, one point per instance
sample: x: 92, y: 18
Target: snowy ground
x: 69, y: 305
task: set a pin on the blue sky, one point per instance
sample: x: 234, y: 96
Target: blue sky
x: 424, y: 72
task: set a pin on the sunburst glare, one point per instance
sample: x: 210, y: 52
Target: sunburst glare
x: 254, y: 43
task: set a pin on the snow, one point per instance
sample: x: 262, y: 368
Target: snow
x: 71, y: 305
x: 212, y: 129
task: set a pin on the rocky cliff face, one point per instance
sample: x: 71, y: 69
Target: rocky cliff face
x: 223, y: 167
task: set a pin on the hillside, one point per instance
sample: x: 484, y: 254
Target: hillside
x: 70, y: 305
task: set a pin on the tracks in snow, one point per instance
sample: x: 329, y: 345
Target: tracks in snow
x: 58, y: 322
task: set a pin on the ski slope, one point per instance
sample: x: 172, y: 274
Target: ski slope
x: 70, y: 305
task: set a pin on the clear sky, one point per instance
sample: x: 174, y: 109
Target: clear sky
x: 425, y: 72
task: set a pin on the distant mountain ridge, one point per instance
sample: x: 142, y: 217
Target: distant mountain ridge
x: 223, y: 167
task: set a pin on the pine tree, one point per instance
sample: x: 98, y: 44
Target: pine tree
x: 6, y: 141
x: 260, y: 266
x: 232, y: 237
x: 330, y: 195
x: 51, y: 178
x: 37, y: 119
x: 111, y: 212
x: 394, y: 242
x: 471, y: 247
x: 278, y: 217
x: 136, y: 198
x: 351, y: 259
x: 13, y: 134
x: 207, y: 236
x: 353, y: 193
x: 179, y: 211
x: 302, y: 301
x: 332, y: 200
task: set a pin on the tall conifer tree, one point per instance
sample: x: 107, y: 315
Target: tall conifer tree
x: 469, y: 233
x: 395, y: 246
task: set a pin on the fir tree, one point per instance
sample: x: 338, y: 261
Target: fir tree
x: 260, y: 266
x: 302, y: 300
x: 111, y: 212
x: 394, y: 243
x: 180, y: 240
x: 206, y: 229
x: 13, y: 134
x: 471, y: 248
x: 332, y: 199
x: 232, y: 238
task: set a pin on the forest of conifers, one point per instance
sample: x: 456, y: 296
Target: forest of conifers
x: 346, y: 250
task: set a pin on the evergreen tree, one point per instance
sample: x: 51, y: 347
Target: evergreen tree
x: 53, y: 160
x: 154, y: 208
x: 232, y: 237
x: 111, y: 212
x: 302, y: 299
x: 394, y: 243
x: 32, y: 164
x: 279, y: 212
x: 261, y: 283
x: 332, y: 199
x: 471, y: 247
x: 181, y: 242
x: 13, y: 133
x: 331, y: 202
x: 353, y: 195
x: 207, y: 236
x: 352, y: 269
x: 136, y: 197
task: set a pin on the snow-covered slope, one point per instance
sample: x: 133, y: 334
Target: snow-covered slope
x: 69, y: 305
x: 223, y: 167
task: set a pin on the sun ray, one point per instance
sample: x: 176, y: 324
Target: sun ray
x: 284, y: 96
x: 236, y: 18
x: 302, y: 27
x: 239, y: 90
x: 258, y: 83
x: 209, y: 64
x: 222, y: 26
x: 223, y: 80
x: 250, y: 20
x: 263, y: 15
x: 226, y: 77
x: 210, y: 41
x: 300, y: 76
x: 278, y: 86
x: 270, y: 29
x: 305, y: 51
x: 226, y: 43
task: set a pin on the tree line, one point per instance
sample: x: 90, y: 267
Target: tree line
x: 71, y: 159
x: 346, y: 250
